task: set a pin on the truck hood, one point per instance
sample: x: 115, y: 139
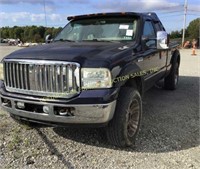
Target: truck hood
x: 72, y: 51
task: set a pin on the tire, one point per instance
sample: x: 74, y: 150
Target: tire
x: 123, y: 128
x: 171, y: 81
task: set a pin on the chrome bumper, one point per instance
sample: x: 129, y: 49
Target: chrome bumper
x: 82, y: 114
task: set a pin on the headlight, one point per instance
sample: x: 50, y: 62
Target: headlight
x: 96, y: 78
x: 1, y: 71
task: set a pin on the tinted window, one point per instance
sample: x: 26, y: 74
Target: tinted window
x: 100, y: 29
x: 149, y: 30
x: 159, y: 27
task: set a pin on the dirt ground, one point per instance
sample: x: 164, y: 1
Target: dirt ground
x: 169, y: 136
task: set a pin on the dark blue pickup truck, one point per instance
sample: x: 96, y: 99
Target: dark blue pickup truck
x: 94, y: 72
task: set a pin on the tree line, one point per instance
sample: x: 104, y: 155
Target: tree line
x: 28, y: 33
x: 38, y: 33
x: 192, y: 31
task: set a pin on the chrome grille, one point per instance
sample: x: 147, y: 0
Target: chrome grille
x: 42, y: 78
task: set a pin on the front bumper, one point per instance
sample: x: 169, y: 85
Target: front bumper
x: 90, y: 107
x: 79, y: 114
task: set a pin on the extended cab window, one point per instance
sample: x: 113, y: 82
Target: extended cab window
x: 159, y: 26
x: 100, y: 29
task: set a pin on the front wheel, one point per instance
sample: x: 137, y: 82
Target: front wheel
x: 124, y: 126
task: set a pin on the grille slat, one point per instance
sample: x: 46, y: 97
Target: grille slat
x: 22, y: 75
x: 42, y: 78
x: 13, y: 76
x: 7, y: 74
x: 46, y: 78
x: 57, y: 78
x: 35, y: 78
x: 31, y: 77
x: 17, y: 72
x: 62, y: 78
x: 66, y: 80
x: 54, y: 78
x: 10, y: 75
x: 51, y: 78
x: 26, y: 76
x: 73, y: 79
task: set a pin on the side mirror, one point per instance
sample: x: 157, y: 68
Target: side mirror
x: 162, y: 40
x: 48, y: 38
x: 148, y: 43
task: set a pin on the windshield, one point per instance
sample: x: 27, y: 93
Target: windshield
x: 101, y: 29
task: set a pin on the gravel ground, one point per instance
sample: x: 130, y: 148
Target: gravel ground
x: 169, y: 136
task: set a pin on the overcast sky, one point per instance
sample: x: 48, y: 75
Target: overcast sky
x: 31, y: 12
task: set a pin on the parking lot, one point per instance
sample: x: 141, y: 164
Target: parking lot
x: 169, y: 136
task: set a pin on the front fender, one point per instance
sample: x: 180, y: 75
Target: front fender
x: 129, y: 72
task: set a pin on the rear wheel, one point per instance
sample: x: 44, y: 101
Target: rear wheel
x: 171, y: 81
x: 124, y: 126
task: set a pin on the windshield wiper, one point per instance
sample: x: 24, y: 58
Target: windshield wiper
x: 64, y: 40
x: 100, y: 40
x: 113, y: 41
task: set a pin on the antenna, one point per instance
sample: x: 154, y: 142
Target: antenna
x: 184, y: 21
x: 45, y: 14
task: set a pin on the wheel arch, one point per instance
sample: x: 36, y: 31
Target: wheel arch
x: 126, y: 78
x: 136, y: 82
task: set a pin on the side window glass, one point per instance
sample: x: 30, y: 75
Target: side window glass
x: 150, y: 33
x: 149, y: 30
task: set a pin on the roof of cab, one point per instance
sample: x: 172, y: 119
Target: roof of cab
x: 150, y: 15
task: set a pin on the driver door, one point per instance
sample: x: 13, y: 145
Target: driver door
x: 150, y: 55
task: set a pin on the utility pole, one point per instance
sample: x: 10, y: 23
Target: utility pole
x: 199, y: 36
x: 45, y: 14
x: 184, y: 21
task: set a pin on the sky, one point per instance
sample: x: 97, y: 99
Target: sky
x: 34, y: 12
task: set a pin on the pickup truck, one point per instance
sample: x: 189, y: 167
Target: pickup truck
x: 93, y: 73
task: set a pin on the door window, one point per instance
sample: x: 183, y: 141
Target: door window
x: 150, y: 33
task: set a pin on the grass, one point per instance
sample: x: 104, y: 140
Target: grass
x: 13, y: 144
x: 17, y: 154
x: 27, y: 142
x: 2, y: 113
x: 26, y: 127
x: 14, y: 132
x: 4, y: 125
x: 15, y: 139
x: 35, y: 153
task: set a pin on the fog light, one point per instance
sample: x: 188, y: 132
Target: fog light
x: 20, y: 105
x: 46, y: 109
x: 63, y: 112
